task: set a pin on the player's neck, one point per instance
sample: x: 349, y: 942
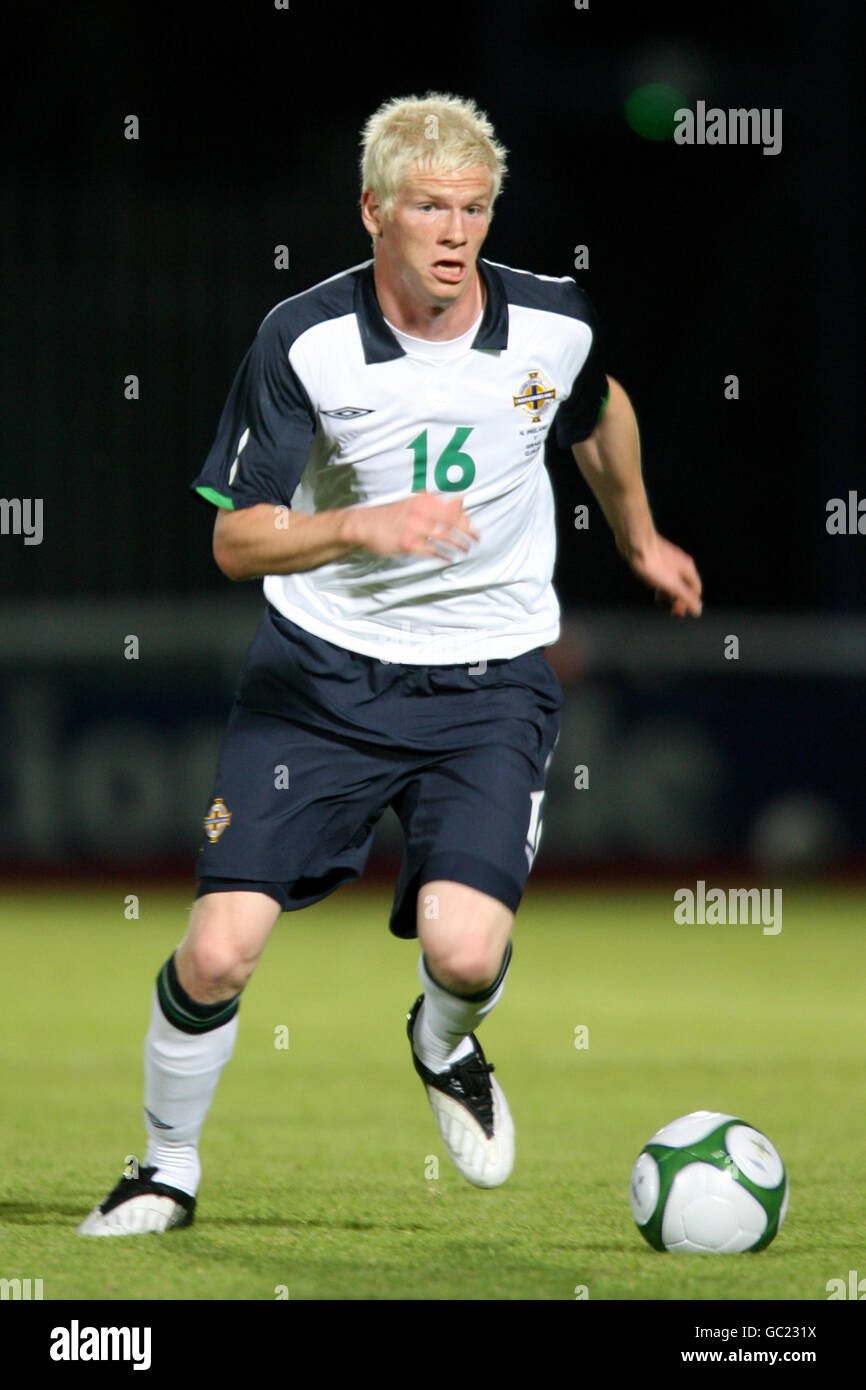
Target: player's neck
x: 434, y: 322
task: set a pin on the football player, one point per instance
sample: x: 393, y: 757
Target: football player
x: 380, y: 465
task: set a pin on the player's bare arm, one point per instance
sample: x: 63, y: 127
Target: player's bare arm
x: 265, y: 539
x: 610, y: 462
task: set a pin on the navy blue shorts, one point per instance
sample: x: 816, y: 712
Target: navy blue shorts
x: 322, y: 740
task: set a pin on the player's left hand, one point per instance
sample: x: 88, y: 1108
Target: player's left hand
x: 671, y: 573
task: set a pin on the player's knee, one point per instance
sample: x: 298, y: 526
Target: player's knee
x: 213, y: 966
x: 226, y: 934
x: 466, y: 968
x: 222, y: 968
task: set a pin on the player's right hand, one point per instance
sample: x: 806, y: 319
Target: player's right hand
x: 424, y: 524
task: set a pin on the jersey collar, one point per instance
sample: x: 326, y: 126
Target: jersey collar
x: 379, y: 342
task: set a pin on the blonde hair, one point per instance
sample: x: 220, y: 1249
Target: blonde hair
x: 437, y: 133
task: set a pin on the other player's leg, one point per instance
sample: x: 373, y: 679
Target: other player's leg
x: 192, y: 1031
x: 465, y: 940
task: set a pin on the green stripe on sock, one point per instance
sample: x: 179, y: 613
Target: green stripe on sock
x: 182, y: 1017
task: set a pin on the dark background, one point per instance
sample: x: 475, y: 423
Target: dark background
x: 155, y: 257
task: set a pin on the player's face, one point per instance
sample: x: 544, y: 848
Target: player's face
x: 431, y: 241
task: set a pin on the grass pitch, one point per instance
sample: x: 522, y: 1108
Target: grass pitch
x: 320, y: 1159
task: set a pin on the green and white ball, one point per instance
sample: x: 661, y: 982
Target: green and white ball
x: 709, y: 1183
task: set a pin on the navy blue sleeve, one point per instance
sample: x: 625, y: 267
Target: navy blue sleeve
x: 578, y: 416
x: 265, y: 431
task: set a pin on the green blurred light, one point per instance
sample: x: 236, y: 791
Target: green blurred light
x: 650, y: 110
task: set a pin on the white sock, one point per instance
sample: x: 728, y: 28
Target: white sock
x: 181, y: 1072
x: 445, y: 1020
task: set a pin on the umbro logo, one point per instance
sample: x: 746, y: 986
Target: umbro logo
x: 347, y: 412
x: 158, y: 1124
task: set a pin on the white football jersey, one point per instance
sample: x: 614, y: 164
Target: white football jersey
x: 333, y: 407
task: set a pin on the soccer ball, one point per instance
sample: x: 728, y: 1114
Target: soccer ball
x: 708, y: 1183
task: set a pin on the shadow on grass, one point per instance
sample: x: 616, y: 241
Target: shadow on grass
x: 40, y: 1213
x: 300, y: 1223
x: 51, y: 1213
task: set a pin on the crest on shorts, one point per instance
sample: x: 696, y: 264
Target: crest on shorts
x: 535, y: 395
x: 218, y: 819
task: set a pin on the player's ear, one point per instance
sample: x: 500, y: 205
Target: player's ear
x: 371, y: 213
